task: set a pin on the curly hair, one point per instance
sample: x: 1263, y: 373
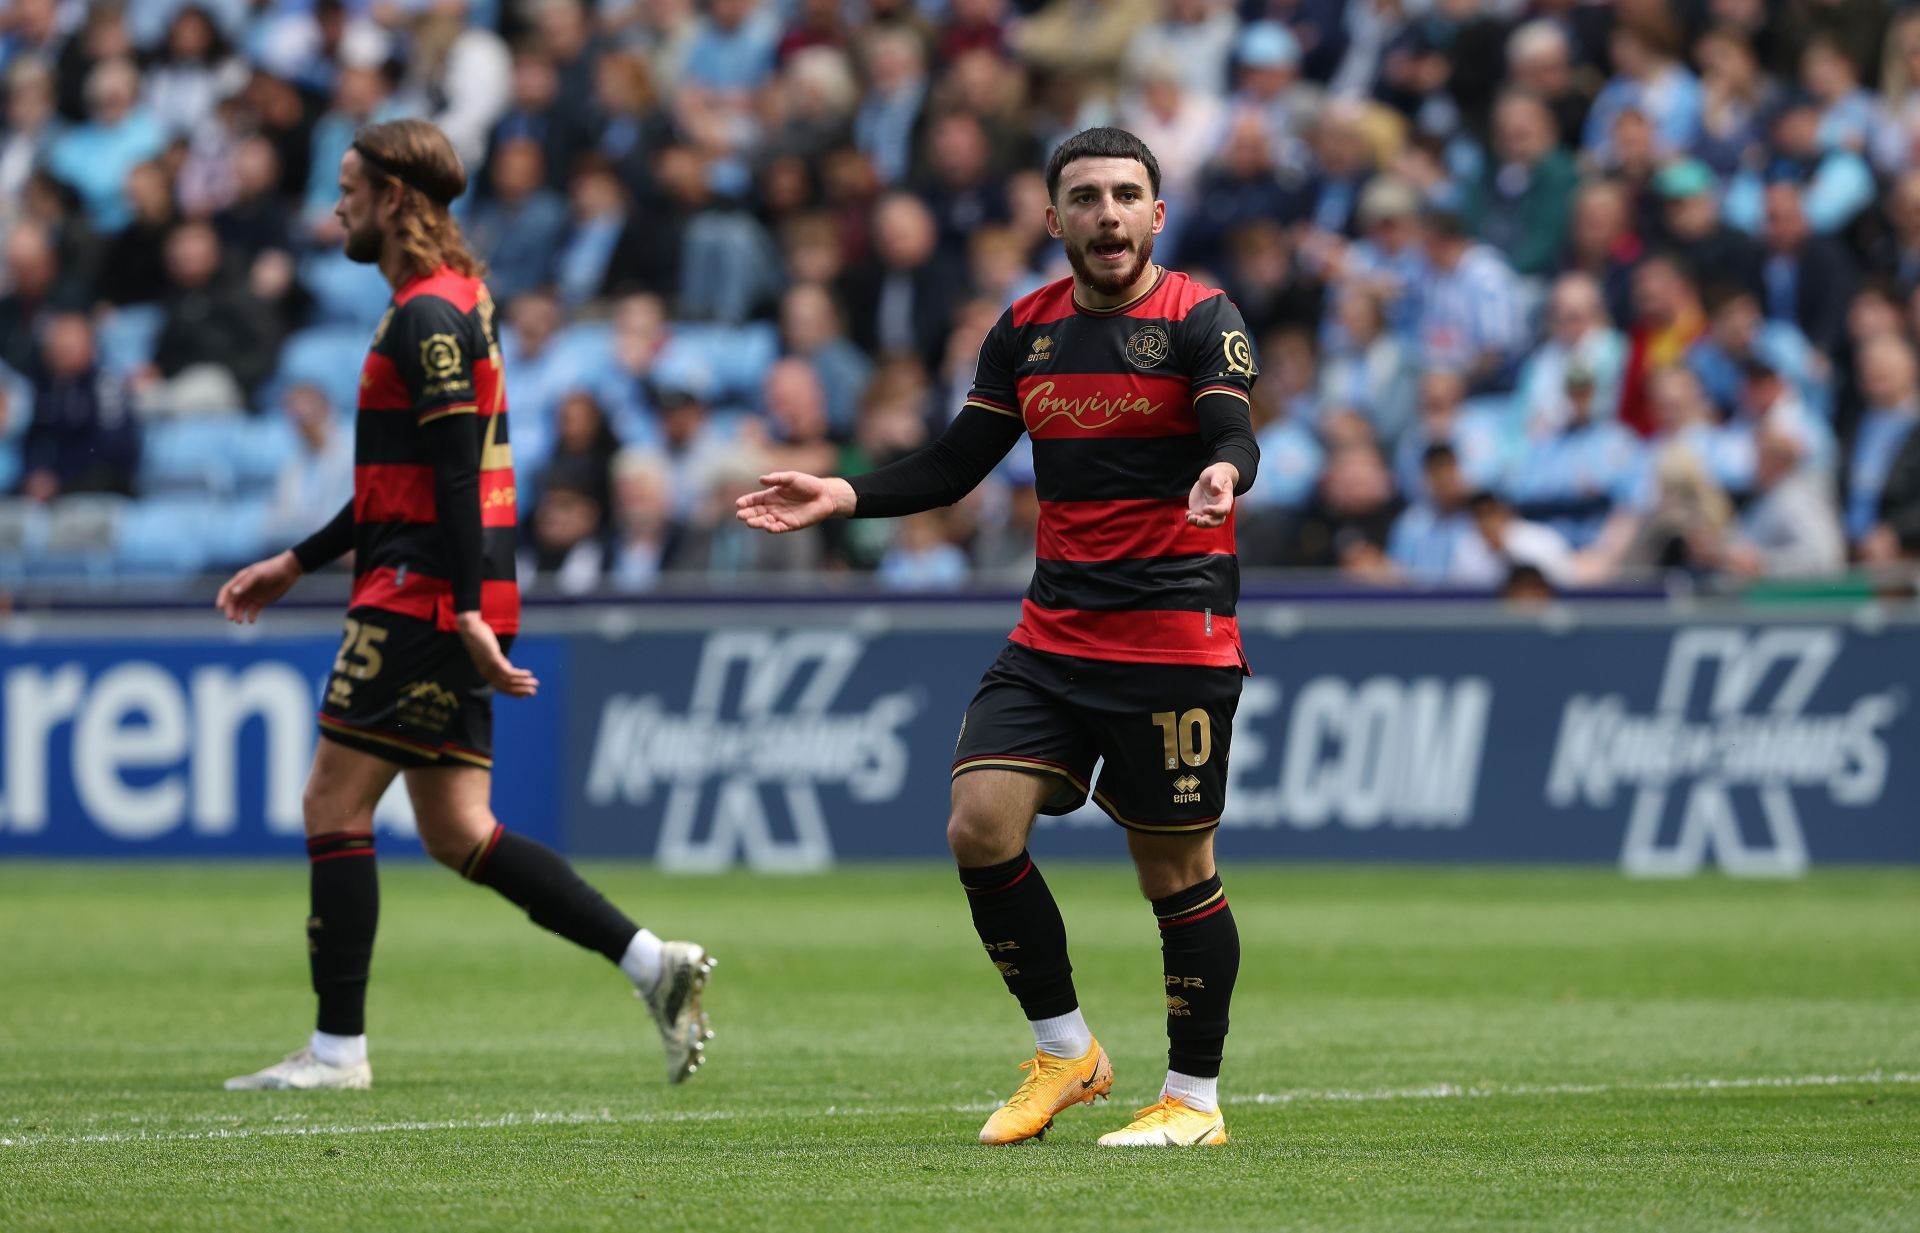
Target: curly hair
x: 417, y: 156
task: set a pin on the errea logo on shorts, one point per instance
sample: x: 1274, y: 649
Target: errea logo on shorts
x: 1713, y: 769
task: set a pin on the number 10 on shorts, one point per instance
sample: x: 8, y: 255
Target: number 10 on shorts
x: 1186, y: 738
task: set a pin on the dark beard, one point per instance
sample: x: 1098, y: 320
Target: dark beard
x: 1102, y: 281
x: 363, y: 246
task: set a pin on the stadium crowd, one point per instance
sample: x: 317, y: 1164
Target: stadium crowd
x: 1560, y: 290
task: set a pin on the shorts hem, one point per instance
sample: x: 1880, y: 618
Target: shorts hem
x: 398, y: 750
x: 1194, y: 827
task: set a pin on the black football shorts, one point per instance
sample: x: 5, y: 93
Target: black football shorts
x: 1162, y: 729
x: 405, y: 690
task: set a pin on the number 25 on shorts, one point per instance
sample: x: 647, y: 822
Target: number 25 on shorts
x: 1187, y: 738
x: 359, y: 655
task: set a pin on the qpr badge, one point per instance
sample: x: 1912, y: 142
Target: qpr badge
x: 1149, y: 346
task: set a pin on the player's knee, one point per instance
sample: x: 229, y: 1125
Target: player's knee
x: 975, y: 839
x: 325, y: 811
x: 451, y: 840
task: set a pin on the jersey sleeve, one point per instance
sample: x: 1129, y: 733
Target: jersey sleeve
x: 434, y: 349
x: 993, y: 383
x: 1217, y: 351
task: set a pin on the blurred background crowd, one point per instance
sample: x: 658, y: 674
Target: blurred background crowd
x: 1546, y: 294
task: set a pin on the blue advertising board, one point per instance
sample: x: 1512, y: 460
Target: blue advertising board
x: 176, y: 747
x: 1756, y: 748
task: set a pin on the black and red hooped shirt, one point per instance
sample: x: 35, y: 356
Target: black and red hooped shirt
x: 434, y: 362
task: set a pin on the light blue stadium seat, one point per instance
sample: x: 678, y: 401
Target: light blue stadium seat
x: 737, y: 356
x: 23, y: 531
x: 328, y: 356
x: 9, y: 465
x: 168, y: 535
x: 192, y: 456
x: 239, y: 536
x: 261, y: 451
x: 80, y: 535
x: 345, y: 292
x: 127, y: 337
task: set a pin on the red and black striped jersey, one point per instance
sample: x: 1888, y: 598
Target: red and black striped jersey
x: 434, y: 357
x: 1108, y: 397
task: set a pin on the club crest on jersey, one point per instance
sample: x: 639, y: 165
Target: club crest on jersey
x: 1149, y: 346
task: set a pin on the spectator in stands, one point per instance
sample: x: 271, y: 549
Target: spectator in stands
x: 599, y: 216
x: 733, y: 49
x: 82, y: 437
x: 1809, y: 278
x: 643, y: 528
x: 818, y: 93
x: 1353, y: 512
x: 1579, y: 338
x: 1195, y: 38
x: 1470, y: 305
x: 1604, y: 245
x: 360, y: 96
x: 1836, y: 183
x: 1649, y: 79
x: 1896, y: 532
x: 922, y: 557
x: 1267, y: 516
x: 459, y: 76
x: 811, y: 330
x: 1387, y: 258
x: 196, y: 68
x: 888, y: 118
x: 1272, y: 92
x: 1891, y: 388
x: 1577, y: 465
x: 584, y: 447
x: 1509, y: 542
x: 1718, y: 255
x: 32, y: 283
x: 797, y: 425
x: 1328, y: 197
x: 902, y: 299
x: 31, y: 126
x: 959, y: 186
x: 1769, y: 402
x: 1367, y: 368
x: 317, y: 479
x: 1434, y: 542
x: 1686, y: 419
x: 518, y: 227
x: 1790, y: 529
x: 627, y: 125
x: 533, y: 113
x: 1083, y: 42
x: 1540, y: 63
x: 1180, y: 124
x: 1893, y: 147
x: 1476, y: 437
x: 96, y: 156
x: 1848, y: 115
x: 1668, y: 320
x: 565, y: 541
x: 1735, y: 98
x: 1737, y: 334
x: 219, y: 339
x: 134, y: 267
x: 1520, y: 205
x: 694, y: 447
x: 1239, y: 187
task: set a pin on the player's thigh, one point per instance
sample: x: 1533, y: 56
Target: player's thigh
x: 1168, y: 864
x: 1165, y: 732
x: 452, y: 808
x: 993, y: 812
x: 343, y: 787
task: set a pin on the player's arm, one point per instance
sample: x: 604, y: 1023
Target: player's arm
x: 1221, y: 365
x: 253, y: 588
x: 435, y: 358
x: 938, y: 474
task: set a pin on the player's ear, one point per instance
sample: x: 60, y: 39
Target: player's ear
x: 1159, y: 216
x: 1053, y: 222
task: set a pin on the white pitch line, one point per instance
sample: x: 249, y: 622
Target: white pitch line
x: 1454, y: 1091
x: 603, y: 1117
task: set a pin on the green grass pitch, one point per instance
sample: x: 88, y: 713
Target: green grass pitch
x: 1412, y: 1050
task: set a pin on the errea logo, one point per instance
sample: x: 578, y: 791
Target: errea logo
x: 1714, y: 768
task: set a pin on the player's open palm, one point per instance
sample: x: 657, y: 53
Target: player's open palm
x: 253, y: 588
x: 792, y: 500
x: 1212, y: 497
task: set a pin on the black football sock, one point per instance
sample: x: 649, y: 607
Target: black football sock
x: 555, y: 897
x: 1020, y: 925
x: 344, y: 912
x: 1200, y: 950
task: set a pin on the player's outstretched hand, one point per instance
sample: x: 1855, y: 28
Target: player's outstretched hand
x: 1212, y: 497
x: 253, y: 588
x: 487, y: 656
x: 792, y: 500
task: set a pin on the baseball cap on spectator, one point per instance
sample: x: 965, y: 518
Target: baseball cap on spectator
x: 1689, y: 177
x: 1268, y: 45
x: 1387, y: 197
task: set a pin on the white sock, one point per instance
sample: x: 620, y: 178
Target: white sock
x: 641, y: 963
x: 339, y: 1050
x: 1193, y: 1091
x: 1063, y: 1035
